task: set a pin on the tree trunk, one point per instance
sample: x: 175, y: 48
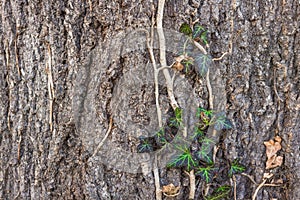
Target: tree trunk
x: 68, y: 67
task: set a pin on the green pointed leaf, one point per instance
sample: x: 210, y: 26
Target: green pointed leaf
x: 202, y: 62
x: 197, y: 31
x: 204, y: 153
x: 177, y: 120
x: 184, y: 159
x: 219, y: 193
x: 198, y: 133
x: 185, y: 29
x: 235, y: 168
x: 160, y: 137
x: 203, y: 37
x: 206, y: 173
x: 221, y: 122
x: 145, y: 145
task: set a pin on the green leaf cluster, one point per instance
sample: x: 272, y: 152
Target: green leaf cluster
x: 177, y: 120
x: 210, y: 117
x: 145, y: 145
x: 185, y: 29
x: 219, y: 193
x: 236, y: 168
x: 184, y: 159
x: 198, y: 32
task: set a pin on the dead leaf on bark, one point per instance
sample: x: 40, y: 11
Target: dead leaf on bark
x: 272, y: 147
x: 178, y: 66
x: 170, y: 190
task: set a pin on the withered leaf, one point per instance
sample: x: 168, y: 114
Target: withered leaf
x: 178, y: 66
x: 272, y: 147
x: 170, y: 190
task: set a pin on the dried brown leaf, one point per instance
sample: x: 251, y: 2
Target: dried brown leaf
x: 170, y: 190
x: 272, y: 147
x: 178, y: 66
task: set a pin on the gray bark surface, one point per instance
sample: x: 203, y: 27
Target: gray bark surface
x: 47, y: 143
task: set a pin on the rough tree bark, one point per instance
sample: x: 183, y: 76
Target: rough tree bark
x: 44, y: 47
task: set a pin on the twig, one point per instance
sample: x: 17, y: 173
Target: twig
x: 265, y: 178
x: 155, y: 71
x: 19, y: 145
x: 162, y: 53
x: 220, y: 58
x: 258, y: 188
x: 17, y: 196
x: 7, y: 55
x: 200, y: 47
x: 105, y: 137
x: 192, y: 184
x: 158, y: 192
x: 271, y: 185
x: 165, y: 67
x: 210, y: 95
x: 252, y: 180
x: 50, y: 85
x: 91, y: 5
x: 234, y: 186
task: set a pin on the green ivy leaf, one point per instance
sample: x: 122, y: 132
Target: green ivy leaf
x: 145, y: 145
x: 177, y: 120
x: 203, y: 111
x: 198, y: 30
x: 206, y: 173
x: 221, y: 122
x: 235, y: 168
x: 184, y: 159
x: 205, y: 153
x: 198, y: 133
x: 202, y: 62
x: 185, y: 29
x: 203, y: 37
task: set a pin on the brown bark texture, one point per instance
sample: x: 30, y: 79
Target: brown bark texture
x: 61, y: 81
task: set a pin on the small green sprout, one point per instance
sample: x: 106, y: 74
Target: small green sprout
x: 209, y: 117
x: 177, y: 120
x: 200, y: 32
x: 219, y: 193
x: 160, y: 137
x: 145, y: 146
x: 203, y: 37
x: 187, y: 63
x: 185, y: 159
x: 204, y: 115
x: 236, y: 167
